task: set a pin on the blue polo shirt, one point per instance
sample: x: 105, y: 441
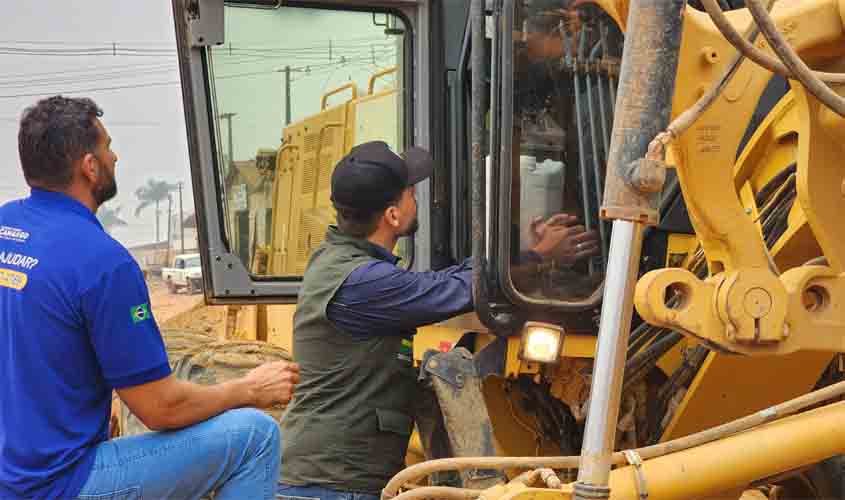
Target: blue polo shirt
x: 75, y: 323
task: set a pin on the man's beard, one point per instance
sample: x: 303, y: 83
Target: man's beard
x: 412, y: 229
x: 107, y: 189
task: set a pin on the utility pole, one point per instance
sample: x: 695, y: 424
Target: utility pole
x: 228, y: 118
x: 287, y: 95
x: 181, y: 216
x: 158, y: 216
x: 169, y: 224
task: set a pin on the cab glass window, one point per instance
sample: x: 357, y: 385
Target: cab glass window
x: 565, y: 60
x: 294, y: 89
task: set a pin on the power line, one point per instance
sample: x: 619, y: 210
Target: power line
x: 98, y: 89
x: 11, y: 51
x: 115, y: 49
x: 119, y: 73
x: 87, y: 78
x: 151, y: 42
x: 332, y: 68
x: 86, y: 69
x: 88, y: 42
x: 152, y: 68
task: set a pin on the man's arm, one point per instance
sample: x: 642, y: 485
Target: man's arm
x: 132, y: 357
x: 380, y: 299
x: 170, y: 403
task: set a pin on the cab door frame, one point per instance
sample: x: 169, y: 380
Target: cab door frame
x: 199, y: 25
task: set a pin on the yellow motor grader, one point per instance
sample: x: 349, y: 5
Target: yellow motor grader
x: 697, y: 355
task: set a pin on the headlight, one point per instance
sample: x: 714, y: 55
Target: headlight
x: 541, y: 342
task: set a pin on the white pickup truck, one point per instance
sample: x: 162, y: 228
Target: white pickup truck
x: 186, y: 273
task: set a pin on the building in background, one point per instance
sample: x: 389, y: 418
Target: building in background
x: 183, y: 237
x: 151, y: 257
x: 249, y: 187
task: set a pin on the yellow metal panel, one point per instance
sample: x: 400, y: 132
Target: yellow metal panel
x: 301, y: 200
x: 729, y: 386
x: 512, y: 358
x: 515, y: 366
x: 324, y: 143
x: 515, y: 431
x: 282, y: 194
x: 705, y: 153
x: 579, y: 346
x: 672, y: 360
x: 798, y: 244
x: 736, y: 461
x: 439, y: 338
x: 280, y: 326
x: 377, y: 118
x: 246, y: 324
x: 680, y: 249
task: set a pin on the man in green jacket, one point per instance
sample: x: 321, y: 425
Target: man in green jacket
x: 346, y: 431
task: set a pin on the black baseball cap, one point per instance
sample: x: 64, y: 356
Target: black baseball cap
x: 372, y: 176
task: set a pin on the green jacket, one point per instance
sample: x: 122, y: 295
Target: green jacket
x: 348, y: 425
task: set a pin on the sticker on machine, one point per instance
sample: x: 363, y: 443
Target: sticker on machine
x: 12, y: 279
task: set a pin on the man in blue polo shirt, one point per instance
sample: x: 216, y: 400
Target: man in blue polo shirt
x: 76, y: 323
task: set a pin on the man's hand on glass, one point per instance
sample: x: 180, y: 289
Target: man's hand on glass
x: 560, y: 237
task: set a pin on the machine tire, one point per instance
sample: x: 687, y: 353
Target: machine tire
x: 200, y: 359
x: 171, y: 286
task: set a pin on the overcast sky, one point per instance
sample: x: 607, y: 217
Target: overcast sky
x: 145, y: 122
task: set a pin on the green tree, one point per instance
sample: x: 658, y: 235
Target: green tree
x: 151, y: 194
x: 110, y: 217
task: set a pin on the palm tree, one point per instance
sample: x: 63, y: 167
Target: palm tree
x: 152, y: 193
x: 110, y: 217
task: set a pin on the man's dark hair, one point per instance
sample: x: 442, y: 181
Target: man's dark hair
x: 360, y: 223
x: 356, y: 223
x: 55, y: 133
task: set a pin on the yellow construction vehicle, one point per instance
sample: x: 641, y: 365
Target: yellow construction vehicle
x: 701, y: 140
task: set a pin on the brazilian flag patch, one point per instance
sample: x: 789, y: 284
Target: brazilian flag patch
x: 140, y: 313
x: 406, y: 351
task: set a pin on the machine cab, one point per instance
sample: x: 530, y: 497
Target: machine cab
x: 276, y: 93
x: 274, y: 96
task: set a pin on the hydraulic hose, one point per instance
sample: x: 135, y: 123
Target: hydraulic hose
x: 680, y: 124
x: 439, y: 492
x: 418, y: 471
x: 797, y: 67
x: 751, y: 52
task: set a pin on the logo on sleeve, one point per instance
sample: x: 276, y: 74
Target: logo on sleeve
x: 140, y: 313
x: 406, y: 351
x: 13, y: 234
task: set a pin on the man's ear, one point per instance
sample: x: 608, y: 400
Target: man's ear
x: 88, y: 168
x: 391, y: 215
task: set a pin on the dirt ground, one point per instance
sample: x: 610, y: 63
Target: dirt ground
x: 182, y: 311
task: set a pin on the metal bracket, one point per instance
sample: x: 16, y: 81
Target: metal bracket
x: 490, y: 360
x: 749, y: 309
x: 591, y: 491
x: 205, y: 22
x: 459, y: 395
x: 636, y: 461
x: 451, y: 367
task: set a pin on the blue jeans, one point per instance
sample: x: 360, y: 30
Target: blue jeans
x: 236, y: 454
x: 289, y: 492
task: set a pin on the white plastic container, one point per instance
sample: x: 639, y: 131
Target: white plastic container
x: 541, y: 194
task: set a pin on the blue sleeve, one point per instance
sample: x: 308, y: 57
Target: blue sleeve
x: 124, y: 334
x: 380, y: 299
